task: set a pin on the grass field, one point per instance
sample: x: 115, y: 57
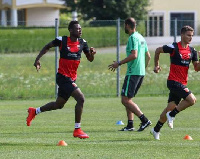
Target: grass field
x: 100, y: 115
x: 20, y: 80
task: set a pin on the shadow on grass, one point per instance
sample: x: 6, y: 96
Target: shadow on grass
x: 25, y: 144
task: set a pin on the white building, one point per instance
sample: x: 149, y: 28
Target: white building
x: 30, y: 12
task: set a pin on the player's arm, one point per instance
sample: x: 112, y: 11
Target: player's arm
x: 147, y: 58
x: 44, y: 50
x: 157, y: 68
x: 116, y: 64
x: 90, y: 55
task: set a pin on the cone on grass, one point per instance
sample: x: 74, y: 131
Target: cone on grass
x: 119, y: 123
x: 62, y: 143
x: 187, y: 137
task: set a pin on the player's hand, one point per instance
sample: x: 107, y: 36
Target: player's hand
x: 92, y: 51
x: 113, y: 66
x: 37, y: 65
x: 157, y: 69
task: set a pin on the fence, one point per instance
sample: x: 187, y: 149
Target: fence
x: 18, y: 78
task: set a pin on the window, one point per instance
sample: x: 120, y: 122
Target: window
x: 154, y: 25
x: 21, y: 17
x: 182, y: 20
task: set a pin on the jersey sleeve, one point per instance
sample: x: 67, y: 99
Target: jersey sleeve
x: 168, y: 48
x: 57, y: 41
x: 85, y: 47
x: 133, y: 44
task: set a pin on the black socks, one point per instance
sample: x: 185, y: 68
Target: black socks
x: 158, y: 126
x: 173, y: 112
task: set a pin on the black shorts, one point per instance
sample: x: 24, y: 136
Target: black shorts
x: 66, y: 86
x: 131, y: 85
x: 177, y: 91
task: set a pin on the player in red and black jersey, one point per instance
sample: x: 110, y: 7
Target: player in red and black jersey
x: 180, y: 97
x: 70, y: 54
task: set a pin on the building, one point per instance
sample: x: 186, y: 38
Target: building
x: 166, y: 15
x: 29, y: 12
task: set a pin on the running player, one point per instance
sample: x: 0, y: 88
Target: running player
x: 180, y: 97
x: 70, y: 54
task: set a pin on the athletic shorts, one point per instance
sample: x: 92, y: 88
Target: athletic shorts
x: 177, y: 91
x: 131, y: 85
x: 65, y: 86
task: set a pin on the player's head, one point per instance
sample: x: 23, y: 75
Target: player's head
x: 186, y: 28
x: 130, y: 24
x: 187, y: 34
x: 75, y: 29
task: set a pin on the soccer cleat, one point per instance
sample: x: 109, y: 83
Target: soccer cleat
x: 127, y: 129
x: 144, y: 125
x: 156, y: 135
x: 31, y: 115
x: 80, y: 134
x: 170, y: 120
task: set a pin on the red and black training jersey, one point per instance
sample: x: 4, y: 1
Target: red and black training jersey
x: 70, y: 54
x: 180, y: 59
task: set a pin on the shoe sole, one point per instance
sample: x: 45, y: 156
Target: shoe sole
x: 127, y: 130
x: 81, y: 137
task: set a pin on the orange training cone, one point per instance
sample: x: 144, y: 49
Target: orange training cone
x: 62, y: 143
x: 187, y: 137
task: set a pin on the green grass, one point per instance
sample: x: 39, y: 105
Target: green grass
x: 99, y: 122
x: 20, y: 80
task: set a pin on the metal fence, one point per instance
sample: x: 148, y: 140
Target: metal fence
x: 108, y: 38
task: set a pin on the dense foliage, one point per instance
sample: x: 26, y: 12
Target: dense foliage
x: 109, y: 9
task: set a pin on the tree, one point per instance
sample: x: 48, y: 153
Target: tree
x: 109, y: 9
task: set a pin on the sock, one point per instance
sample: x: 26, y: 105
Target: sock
x: 173, y: 112
x: 130, y: 124
x: 37, y: 110
x: 158, y: 126
x: 77, y: 125
x: 143, y: 118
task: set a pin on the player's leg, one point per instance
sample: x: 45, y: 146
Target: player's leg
x: 180, y: 91
x: 32, y: 112
x: 130, y: 88
x: 187, y: 102
x: 79, y: 97
x: 64, y: 91
x: 130, y: 117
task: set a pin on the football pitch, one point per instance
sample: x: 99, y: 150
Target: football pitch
x: 99, y: 119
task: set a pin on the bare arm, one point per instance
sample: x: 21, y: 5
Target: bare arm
x: 42, y: 52
x: 116, y: 64
x: 147, y: 59
x: 157, y: 68
x: 90, y: 55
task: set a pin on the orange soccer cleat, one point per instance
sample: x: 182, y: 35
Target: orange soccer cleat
x: 80, y: 134
x: 31, y: 115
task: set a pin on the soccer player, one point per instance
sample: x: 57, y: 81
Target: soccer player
x: 137, y: 60
x: 71, y: 48
x: 180, y: 97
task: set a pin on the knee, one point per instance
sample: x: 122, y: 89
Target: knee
x: 193, y: 101
x: 60, y: 106
x: 124, y: 101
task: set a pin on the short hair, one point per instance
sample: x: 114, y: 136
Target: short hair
x: 131, y: 22
x: 72, y: 23
x: 186, y: 28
